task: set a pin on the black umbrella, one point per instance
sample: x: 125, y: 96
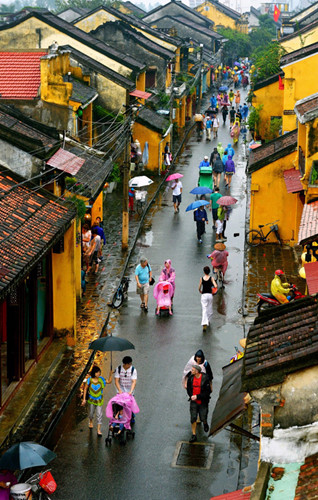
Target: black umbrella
x: 24, y: 455
x: 111, y: 343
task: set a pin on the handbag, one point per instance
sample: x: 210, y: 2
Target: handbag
x: 214, y: 290
x: 151, y: 280
x: 47, y: 482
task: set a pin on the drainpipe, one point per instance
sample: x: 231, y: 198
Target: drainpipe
x: 163, y: 138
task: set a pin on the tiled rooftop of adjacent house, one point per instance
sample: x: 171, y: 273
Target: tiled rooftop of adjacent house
x: 308, y: 227
x: 30, y: 223
x: 66, y: 161
x: 311, y: 270
x: 282, y: 340
x: 20, y: 74
x: 292, y: 180
x: 307, y: 109
x: 267, y: 153
x: 307, y: 485
x: 295, y: 55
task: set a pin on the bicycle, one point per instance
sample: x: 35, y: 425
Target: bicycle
x: 140, y: 197
x: 219, y: 278
x: 42, y: 483
x: 121, y: 293
x: 256, y: 236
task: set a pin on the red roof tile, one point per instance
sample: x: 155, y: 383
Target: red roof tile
x: 66, y: 161
x: 140, y: 94
x: 311, y: 270
x: 309, y: 222
x: 30, y: 224
x: 235, y: 495
x: 292, y: 180
x: 307, y: 486
x: 307, y: 109
x: 20, y: 75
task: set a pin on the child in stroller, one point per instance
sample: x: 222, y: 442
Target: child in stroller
x: 120, y: 411
x: 163, y: 292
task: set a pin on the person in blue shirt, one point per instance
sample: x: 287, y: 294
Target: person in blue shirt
x: 101, y: 234
x: 205, y: 162
x: 143, y: 274
x: 213, y: 102
x: 200, y: 217
x: 244, y: 111
x: 230, y: 150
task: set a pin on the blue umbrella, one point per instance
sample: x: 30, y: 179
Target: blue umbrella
x: 196, y: 204
x: 24, y: 455
x: 201, y: 190
x: 224, y: 88
x: 237, y: 63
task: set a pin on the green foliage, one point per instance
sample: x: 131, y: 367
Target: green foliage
x: 80, y: 206
x: 164, y: 100
x: 267, y: 61
x: 274, y: 128
x: 88, y: 4
x: 238, y: 45
x: 254, y: 119
x: 72, y: 184
x: 115, y: 176
x: 100, y: 112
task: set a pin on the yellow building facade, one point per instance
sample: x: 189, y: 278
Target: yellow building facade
x: 299, y: 39
x: 222, y: 16
x: 270, y: 199
x: 268, y: 95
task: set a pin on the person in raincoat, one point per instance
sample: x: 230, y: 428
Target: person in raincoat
x: 219, y: 257
x: 229, y: 171
x: 237, y: 99
x: 230, y: 150
x: 197, y: 359
x: 168, y: 274
x: 213, y: 102
x: 217, y: 169
x: 220, y: 149
x: 213, y: 156
x: 231, y: 96
x: 235, y: 131
x: 278, y: 289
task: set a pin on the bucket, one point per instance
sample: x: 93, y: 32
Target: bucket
x: 21, y: 491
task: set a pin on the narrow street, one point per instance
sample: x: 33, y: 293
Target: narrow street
x: 85, y: 468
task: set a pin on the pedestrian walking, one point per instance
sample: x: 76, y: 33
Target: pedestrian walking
x: 167, y: 155
x: 143, y: 276
x: 168, y: 273
x: 238, y: 114
x: 201, y: 218
x: 197, y: 359
x: 93, y: 251
x: 213, y: 156
x: 205, y: 162
x: 126, y: 376
x: 93, y: 394
x: 176, y: 194
x: 131, y: 198
x: 231, y: 96
x: 219, y: 225
x: 229, y: 171
x: 86, y: 239
x: 214, y: 197
x: 235, y: 131
x: 244, y: 111
x: 219, y: 258
x: 198, y: 389
x: 205, y: 288
x: 7, y: 479
x: 223, y: 216
x: 237, y: 99
x: 232, y: 116
x: 208, y: 128
x: 217, y: 171
x: 230, y: 150
x: 225, y: 112
x: 215, y: 126
x: 220, y: 149
x: 101, y: 234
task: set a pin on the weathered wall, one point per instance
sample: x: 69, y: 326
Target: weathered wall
x: 271, y: 98
x: 300, y: 40
x: 156, y: 148
x: 270, y: 200
x: 208, y: 10
x: 19, y: 161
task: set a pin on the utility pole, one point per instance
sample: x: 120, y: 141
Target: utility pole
x: 125, y: 223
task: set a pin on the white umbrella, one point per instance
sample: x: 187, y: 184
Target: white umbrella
x: 140, y: 181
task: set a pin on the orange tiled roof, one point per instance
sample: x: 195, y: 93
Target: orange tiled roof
x: 292, y: 180
x: 31, y: 222
x: 20, y: 74
x: 308, y: 227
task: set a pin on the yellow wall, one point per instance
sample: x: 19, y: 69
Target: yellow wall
x: 270, y: 200
x: 308, y: 140
x: 300, y: 40
x: 219, y: 18
x: 144, y: 134
x: 97, y: 208
x: 300, y: 81
x: 272, y: 100
x: 64, y: 269
x: 78, y: 259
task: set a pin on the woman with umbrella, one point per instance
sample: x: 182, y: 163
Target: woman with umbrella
x: 176, y: 187
x: 200, y: 217
x: 93, y: 394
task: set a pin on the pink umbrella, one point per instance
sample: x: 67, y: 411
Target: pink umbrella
x: 172, y: 177
x: 226, y: 201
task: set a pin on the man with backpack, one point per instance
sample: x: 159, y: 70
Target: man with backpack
x: 126, y: 376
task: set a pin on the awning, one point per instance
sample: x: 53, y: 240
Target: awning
x: 311, y: 270
x: 66, y: 161
x: 308, y: 229
x: 292, y: 180
x: 140, y: 94
x: 230, y: 403
x: 235, y: 495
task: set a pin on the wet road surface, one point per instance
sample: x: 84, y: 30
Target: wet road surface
x: 85, y: 468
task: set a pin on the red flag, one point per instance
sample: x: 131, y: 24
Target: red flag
x: 280, y: 83
x: 276, y: 13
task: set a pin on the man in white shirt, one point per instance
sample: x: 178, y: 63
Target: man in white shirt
x: 126, y: 376
x: 176, y: 194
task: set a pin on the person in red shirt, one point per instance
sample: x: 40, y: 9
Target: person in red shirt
x: 199, y: 390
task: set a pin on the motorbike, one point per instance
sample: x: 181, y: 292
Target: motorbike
x: 267, y: 300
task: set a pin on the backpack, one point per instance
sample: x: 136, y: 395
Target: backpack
x: 119, y: 369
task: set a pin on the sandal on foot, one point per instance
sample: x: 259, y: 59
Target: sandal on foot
x: 142, y: 305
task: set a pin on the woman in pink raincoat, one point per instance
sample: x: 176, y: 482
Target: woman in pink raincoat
x: 168, y: 274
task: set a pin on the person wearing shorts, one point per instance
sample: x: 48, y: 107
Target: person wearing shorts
x: 143, y: 274
x: 199, y: 390
x: 176, y: 194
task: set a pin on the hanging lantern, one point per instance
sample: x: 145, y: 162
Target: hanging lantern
x: 236, y: 68
x: 219, y: 68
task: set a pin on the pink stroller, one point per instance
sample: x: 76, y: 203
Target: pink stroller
x: 163, y: 292
x: 120, y: 411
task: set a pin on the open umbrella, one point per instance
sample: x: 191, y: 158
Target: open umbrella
x: 224, y: 88
x: 111, y: 343
x: 172, y: 177
x: 197, y: 204
x: 140, y: 181
x: 201, y: 190
x: 226, y: 201
x: 237, y: 63
x: 24, y: 455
